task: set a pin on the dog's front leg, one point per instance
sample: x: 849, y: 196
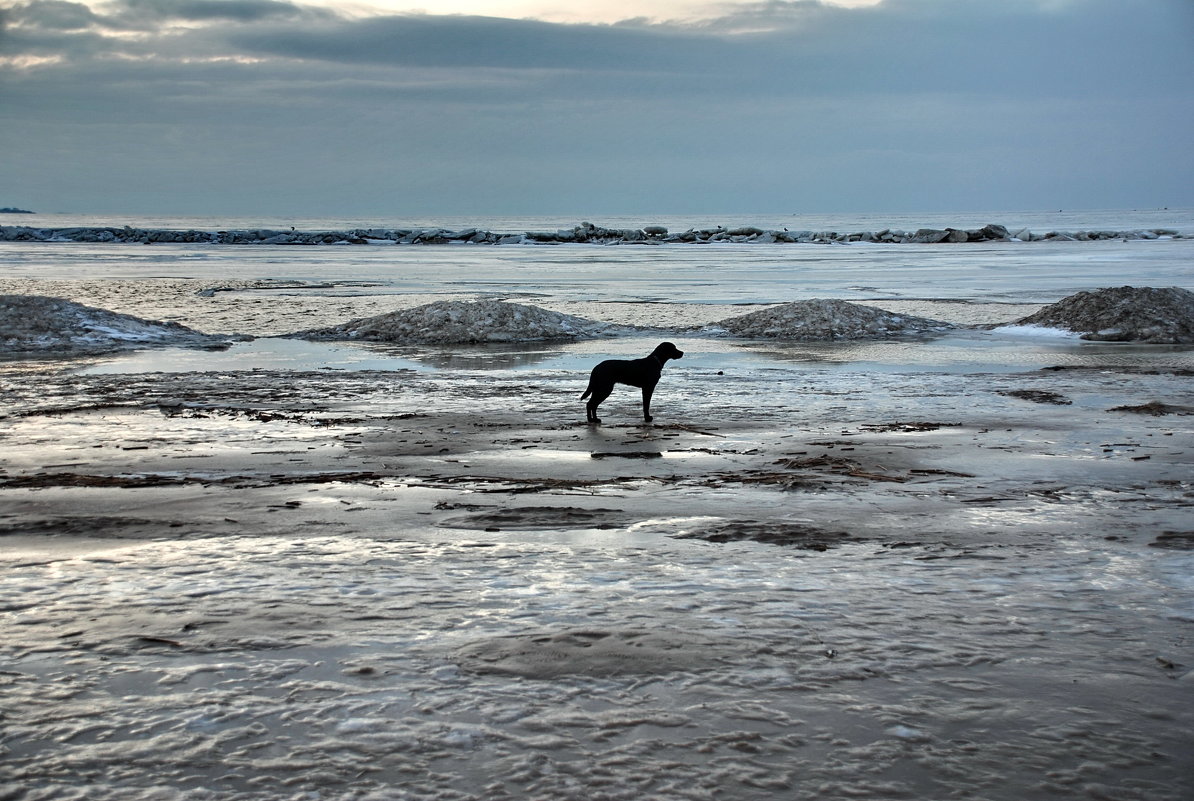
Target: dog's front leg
x: 648, y: 390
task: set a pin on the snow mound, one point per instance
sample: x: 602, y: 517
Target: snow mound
x: 455, y: 322
x: 1123, y: 314
x: 40, y: 324
x: 820, y: 320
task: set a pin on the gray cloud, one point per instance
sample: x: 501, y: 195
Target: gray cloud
x: 53, y: 14
x: 146, y: 15
x: 215, y: 10
x: 476, y: 42
x: 911, y: 103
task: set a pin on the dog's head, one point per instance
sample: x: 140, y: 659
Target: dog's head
x: 667, y: 350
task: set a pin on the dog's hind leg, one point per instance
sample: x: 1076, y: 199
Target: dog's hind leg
x: 600, y: 394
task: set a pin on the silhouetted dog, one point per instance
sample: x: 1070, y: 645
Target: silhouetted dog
x: 635, y: 372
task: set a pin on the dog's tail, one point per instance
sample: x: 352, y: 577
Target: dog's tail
x: 588, y: 391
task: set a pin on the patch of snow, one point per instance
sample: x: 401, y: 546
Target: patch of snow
x: 363, y: 725
x: 1035, y: 331
x: 908, y: 733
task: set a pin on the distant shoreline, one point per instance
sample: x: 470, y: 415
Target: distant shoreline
x: 15, y: 210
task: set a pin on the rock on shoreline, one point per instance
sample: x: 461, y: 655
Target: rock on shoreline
x: 584, y: 233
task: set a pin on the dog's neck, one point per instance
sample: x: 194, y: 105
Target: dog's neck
x: 659, y: 360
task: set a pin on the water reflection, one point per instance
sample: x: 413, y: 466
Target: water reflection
x: 472, y: 357
x: 972, y: 350
x: 258, y: 354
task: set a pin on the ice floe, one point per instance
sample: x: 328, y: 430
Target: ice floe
x: 450, y: 322
x: 1123, y: 314
x: 40, y: 324
x: 822, y: 320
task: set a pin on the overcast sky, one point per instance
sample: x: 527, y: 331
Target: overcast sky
x: 273, y: 107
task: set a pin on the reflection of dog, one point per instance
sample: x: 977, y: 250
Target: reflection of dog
x: 635, y: 372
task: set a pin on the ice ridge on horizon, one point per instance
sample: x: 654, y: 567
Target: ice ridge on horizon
x: 584, y: 233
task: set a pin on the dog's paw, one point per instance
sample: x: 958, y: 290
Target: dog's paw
x: 648, y: 418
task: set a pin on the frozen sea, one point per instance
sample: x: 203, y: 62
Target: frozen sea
x: 938, y: 568
x: 284, y: 289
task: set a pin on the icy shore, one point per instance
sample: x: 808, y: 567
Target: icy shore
x: 584, y: 233
x: 361, y: 572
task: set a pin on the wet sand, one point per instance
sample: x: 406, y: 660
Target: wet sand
x: 442, y: 583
